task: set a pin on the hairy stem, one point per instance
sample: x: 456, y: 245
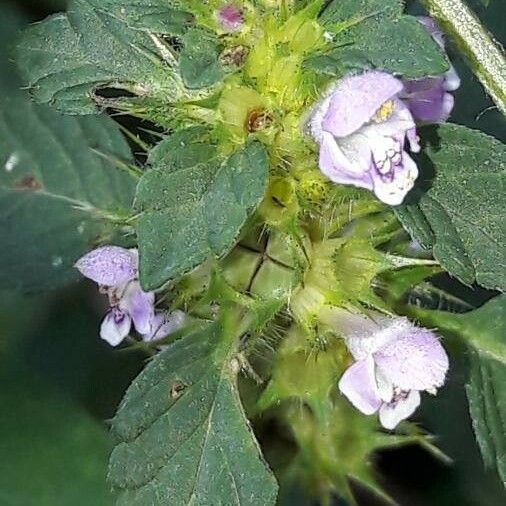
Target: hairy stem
x: 484, y: 55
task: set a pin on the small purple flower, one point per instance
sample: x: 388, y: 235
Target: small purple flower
x: 363, y: 127
x: 429, y: 99
x: 394, y: 362
x: 109, y: 265
x: 114, y: 269
x: 230, y: 18
x: 165, y: 324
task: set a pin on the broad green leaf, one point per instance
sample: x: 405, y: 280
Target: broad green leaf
x: 157, y: 16
x: 58, y: 183
x: 192, y: 209
x: 375, y: 33
x: 183, y: 436
x: 461, y: 214
x: 51, y: 451
x: 484, y: 329
x: 67, y: 57
x: 199, y: 62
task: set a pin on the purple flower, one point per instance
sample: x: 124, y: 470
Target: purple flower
x: 230, y: 18
x: 363, y: 129
x: 114, y: 269
x: 429, y: 99
x: 165, y: 324
x: 394, y: 362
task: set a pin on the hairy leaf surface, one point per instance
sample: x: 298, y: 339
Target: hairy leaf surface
x: 375, y: 34
x: 193, y: 206
x: 484, y: 329
x: 183, y: 436
x: 461, y: 214
x: 58, y: 181
x: 67, y: 57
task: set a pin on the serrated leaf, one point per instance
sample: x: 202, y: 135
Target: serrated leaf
x: 484, y: 330
x: 183, y: 435
x: 191, y: 211
x: 58, y: 181
x: 375, y: 34
x: 68, y: 56
x: 461, y: 215
x: 487, y: 405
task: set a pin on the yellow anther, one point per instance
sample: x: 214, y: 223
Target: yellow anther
x: 384, y: 112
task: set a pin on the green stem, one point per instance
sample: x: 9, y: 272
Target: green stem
x: 484, y: 56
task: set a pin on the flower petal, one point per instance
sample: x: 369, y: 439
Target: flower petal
x: 115, y: 326
x: 334, y: 164
x: 355, y: 100
x: 428, y: 100
x: 109, y: 265
x: 358, y: 384
x: 391, y: 414
x: 140, y: 306
x: 452, y: 79
x: 393, y: 191
x: 414, y: 361
x: 164, y: 325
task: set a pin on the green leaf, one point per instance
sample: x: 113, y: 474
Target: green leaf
x: 183, y: 435
x: 193, y: 208
x: 58, y: 183
x: 156, y: 16
x: 485, y: 331
x: 375, y: 34
x: 461, y: 215
x: 487, y: 404
x: 67, y: 57
x: 51, y: 451
x: 199, y: 60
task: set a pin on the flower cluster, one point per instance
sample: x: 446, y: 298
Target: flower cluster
x: 115, y: 270
x: 394, y: 362
x: 366, y: 124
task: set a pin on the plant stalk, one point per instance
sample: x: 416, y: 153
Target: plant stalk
x: 484, y: 55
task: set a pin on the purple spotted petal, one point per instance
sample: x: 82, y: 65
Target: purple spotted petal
x: 164, y: 325
x: 393, y: 186
x: 109, y: 265
x: 391, y: 414
x: 414, y: 361
x: 356, y: 99
x: 115, y: 326
x: 140, y: 306
x: 358, y: 384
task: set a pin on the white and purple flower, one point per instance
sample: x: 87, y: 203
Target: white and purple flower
x: 394, y: 362
x: 429, y: 99
x: 115, y: 270
x: 365, y: 126
x: 364, y: 129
